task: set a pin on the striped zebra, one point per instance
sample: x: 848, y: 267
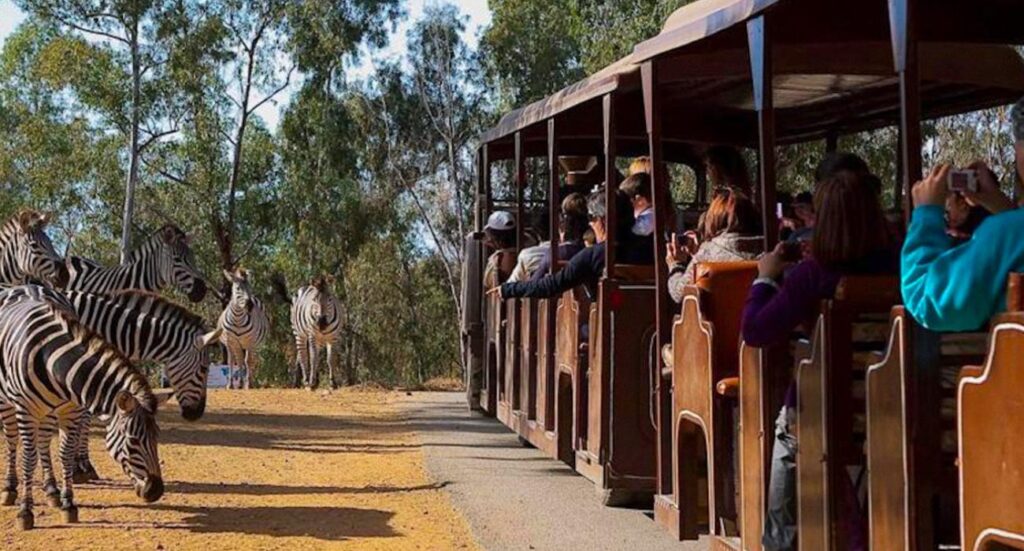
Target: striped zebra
x: 26, y: 252
x: 316, y: 323
x: 243, y: 325
x: 52, y: 365
x: 144, y: 327
x: 164, y: 259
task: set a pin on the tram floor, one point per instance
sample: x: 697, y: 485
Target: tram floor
x: 515, y: 498
x: 266, y: 469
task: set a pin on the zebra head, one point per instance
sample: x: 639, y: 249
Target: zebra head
x: 324, y: 308
x: 177, y: 264
x: 188, y: 374
x: 131, y: 440
x: 34, y: 252
x: 241, y: 289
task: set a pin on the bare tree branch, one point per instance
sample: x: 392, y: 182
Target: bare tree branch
x: 278, y: 90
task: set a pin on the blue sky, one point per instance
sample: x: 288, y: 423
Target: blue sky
x: 479, y: 15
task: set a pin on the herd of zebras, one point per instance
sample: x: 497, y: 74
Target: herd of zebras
x: 71, y: 331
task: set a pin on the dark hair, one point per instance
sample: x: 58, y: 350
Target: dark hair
x: 638, y: 184
x: 837, y: 162
x: 572, y: 221
x: 804, y: 197
x: 732, y: 168
x: 501, y: 239
x: 731, y: 212
x: 575, y: 204
x: 851, y: 224
x: 596, y: 204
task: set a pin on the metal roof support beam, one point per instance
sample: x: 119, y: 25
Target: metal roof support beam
x: 904, y: 50
x: 761, y: 71
x: 664, y: 222
x: 554, y: 204
x: 610, y: 184
x: 488, y: 196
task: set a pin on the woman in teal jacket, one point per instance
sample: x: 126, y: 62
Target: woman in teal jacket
x: 960, y: 288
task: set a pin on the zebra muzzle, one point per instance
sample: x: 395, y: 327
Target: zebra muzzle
x: 152, y: 491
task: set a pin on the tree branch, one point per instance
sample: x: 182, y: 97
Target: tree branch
x: 276, y: 91
x: 87, y: 30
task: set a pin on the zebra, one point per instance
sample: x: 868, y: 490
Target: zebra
x: 144, y: 327
x: 243, y: 325
x: 165, y: 258
x: 52, y: 365
x: 316, y: 323
x: 26, y: 252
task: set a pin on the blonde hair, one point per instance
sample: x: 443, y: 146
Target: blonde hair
x: 640, y: 165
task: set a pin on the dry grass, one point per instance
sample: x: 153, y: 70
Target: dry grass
x: 443, y: 384
x: 267, y: 469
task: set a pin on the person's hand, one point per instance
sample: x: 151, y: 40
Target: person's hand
x: 772, y: 265
x: 674, y: 254
x: 988, y: 196
x: 932, y: 190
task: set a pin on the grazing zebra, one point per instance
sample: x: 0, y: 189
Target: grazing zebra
x: 316, y: 323
x: 244, y: 325
x: 144, y: 327
x: 165, y: 258
x: 52, y: 365
x: 26, y: 252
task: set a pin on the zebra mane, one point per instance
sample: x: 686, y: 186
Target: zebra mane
x: 79, y: 331
x: 157, y: 299
x: 156, y: 238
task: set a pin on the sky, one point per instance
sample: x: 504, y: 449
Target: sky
x: 477, y: 12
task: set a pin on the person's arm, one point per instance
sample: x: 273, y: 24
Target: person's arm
x: 772, y: 312
x: 543, y: 268
x: 676, y: 282
x: 577, y: 272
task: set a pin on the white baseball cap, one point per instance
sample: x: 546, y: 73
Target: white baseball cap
x: 500, y: 220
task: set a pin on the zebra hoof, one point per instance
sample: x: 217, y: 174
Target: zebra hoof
x: 26, y: 520
x: 70, y: 515
x: 8, y: 498
x: 53, y: 499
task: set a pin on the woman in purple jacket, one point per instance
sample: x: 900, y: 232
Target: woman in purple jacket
x: 851, y: 237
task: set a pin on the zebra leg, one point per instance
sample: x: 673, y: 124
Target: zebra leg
x: 302, y: 357
x: 84, y: 471
x: 70, y: 434
x: 330, y: 366
x: 28, y: 429
x: 314, y: 364
x: 251, y: 361
x: 50, y: 489
x: 10, y: 492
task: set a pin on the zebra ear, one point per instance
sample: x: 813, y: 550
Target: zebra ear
x: 126, y: 403
x: 202, y: 341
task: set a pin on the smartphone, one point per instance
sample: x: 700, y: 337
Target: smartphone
x: 962, y: 180
x: 778, y: 211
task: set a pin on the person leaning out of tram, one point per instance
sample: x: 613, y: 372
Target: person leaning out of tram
x: 950, y: 287
x: 850, y: 238
x: 499, y: 235
x: 587, y: 266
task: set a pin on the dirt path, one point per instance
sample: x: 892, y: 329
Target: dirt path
x: 267, y: 470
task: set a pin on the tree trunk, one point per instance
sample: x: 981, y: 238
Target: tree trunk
x: 133, y: 147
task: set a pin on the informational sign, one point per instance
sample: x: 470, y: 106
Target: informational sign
x: 219, y: 376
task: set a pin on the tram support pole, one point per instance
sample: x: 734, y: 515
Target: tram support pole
x: 905, y: 58
x: 520, y: 183
x: 611, y: 184
x: 488, y: 195
x: 553, y: 200
x: 761, y: 67
x: 664, y: 224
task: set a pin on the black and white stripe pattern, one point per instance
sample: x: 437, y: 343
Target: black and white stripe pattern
x: 52, y: 365
x: 316, y: 323
x: 163, y: 260
x: 243, y: 325
x: 27, y: 254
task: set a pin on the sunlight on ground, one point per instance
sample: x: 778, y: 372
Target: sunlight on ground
x: 267, y: 469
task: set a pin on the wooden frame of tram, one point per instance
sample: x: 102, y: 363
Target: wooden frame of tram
x: 858, y: 67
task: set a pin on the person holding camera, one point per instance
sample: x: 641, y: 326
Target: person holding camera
x: 959, y: 288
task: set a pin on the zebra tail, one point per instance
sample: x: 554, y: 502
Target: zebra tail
x: 280, y: 286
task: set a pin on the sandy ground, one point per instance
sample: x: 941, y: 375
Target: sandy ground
x: 267, y: 469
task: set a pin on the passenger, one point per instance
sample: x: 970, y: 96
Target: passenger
x: 962, y: 218
x: 732, y: 232
x: 572, y: 224
x: 850, y: 238
x: 1017, y: 120
x: 803, y: 210
x: 727, y: 169
x: 640, y: 165
x: 589, y: 239
x: 500, y: 235
x: 638, y: 188
x: 788, y: 221
x: 948, y: 288
x: 537, y: 259
x: 587, y: 266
